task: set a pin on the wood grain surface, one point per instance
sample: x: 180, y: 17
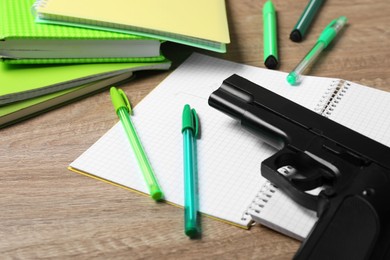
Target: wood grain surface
x: 50, y: 212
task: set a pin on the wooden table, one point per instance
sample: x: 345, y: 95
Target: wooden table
x: 50, y: 212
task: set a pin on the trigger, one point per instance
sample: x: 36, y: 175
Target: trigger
x: 306, y: 181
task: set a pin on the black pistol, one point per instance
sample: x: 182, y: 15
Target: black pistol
x: 351, y: 170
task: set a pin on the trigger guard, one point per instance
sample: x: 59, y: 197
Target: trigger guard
x: 301, y: 197
x: 269, y: 170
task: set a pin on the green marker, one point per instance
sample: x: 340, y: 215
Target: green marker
x: 323, y: 41
x: 123, y: 110
x: 270, y: 36
x: 305, y: 20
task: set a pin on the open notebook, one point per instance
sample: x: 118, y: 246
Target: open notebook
x: 228, y: 157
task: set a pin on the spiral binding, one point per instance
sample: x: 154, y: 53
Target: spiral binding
x: 331, y: 97
x: 261, y: 198
x: 264, y: 195
x: 340, y: 91
x: 326, y: 97
x: 38, y: 4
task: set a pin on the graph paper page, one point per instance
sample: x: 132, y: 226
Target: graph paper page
x: 229, y: 157
x: 365, y: 110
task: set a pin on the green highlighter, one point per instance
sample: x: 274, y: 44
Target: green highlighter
x: 123, y: 110
x: 271, y: 59
x: 327, y: 35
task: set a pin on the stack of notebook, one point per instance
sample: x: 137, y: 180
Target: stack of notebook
x: 43, y: 66
x: 45, y: 63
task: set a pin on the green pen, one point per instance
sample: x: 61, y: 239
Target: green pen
x: 305, y: 20
x: 190, y: 131
x: 123, y: 110
x: 327, y: 35
x: 271, y: 58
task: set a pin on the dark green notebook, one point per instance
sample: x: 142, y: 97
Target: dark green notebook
x: 23, y: 41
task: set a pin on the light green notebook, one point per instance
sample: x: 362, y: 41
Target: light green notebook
x: 20, y: 82
x: 18, y: 111
x: 24, y: 41
x: 199, y: 23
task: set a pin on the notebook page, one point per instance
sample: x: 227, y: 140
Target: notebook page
x: 365, y: 110
x: 274, y: 209
x: 228, y: 157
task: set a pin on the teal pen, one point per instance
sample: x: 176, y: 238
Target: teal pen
x: 271, y: 59
x: 327, y: 35
x: 123, y: 109
x: 300, y: 29
x: 190, y: 131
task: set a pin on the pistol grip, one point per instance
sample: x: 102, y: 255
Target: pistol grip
x: 349, y: 233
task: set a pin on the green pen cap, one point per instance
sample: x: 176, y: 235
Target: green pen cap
x: 190, y: 120
x: 119, y: 100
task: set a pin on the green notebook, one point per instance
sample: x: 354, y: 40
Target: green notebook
x: 25, y: 42
x: 17, y: 111
x: 22, y: 81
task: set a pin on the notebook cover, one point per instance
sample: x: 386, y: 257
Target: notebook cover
x: 46, y: 79
x: 22, y: 110
x: 17, y: 22
x: 200, y: 23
